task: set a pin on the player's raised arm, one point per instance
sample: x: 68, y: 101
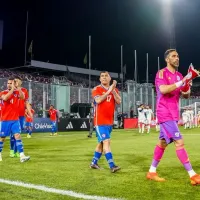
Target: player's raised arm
x: 11, y: 85
x: 21, y: 94
x: 116, y: 94
x: 18, y: 84
x: 26, y: 112
x: 28, y: 108
x: 165, y: 89
x: 116, y: 97
x: 101, y: 98
x: 28, y: 105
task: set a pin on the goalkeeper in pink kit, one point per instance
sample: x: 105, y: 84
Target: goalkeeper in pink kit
x: 170, y: 85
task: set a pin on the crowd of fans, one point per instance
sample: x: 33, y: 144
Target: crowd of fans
x: 195, y: 92
x: 70, y: 79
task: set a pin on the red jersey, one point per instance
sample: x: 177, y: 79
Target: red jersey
x: 104, y: 111
x: 53, y: 114
x: 22, y: 102
x: 1, y: 103
x: 28, y: 118
x: 10, y: 108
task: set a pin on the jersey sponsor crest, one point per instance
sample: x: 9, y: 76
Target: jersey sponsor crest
x: 177, y: 134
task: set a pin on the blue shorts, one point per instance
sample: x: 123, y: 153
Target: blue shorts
x: 103, y: 132
x: 169, y: 131
x: 29, y: 124
x: 54, y: 123
x: 9, y: 128
x: 22, y: 122
x: 53, y: 126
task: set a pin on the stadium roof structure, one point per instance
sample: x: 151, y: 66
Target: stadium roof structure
x: 64, y: 68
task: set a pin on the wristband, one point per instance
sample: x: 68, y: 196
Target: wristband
x: 179, y: 84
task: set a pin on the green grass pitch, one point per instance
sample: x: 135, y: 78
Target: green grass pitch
x: 62, y: 162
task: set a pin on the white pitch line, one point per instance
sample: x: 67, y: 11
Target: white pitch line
x: 56, y: 191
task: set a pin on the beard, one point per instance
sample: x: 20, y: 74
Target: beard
x: 174, y: 64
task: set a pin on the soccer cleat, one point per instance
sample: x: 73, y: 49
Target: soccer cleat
x: 154, y: 176
x: 195, y: 180
x: 51, y: 134
x: 28, y: 136
x: 89, y: 136
x: 17, y: 155
x: 12, y: 154
x: 0, y: 157
x: 115, y: 169
x: 24, y: 159
x: 55, y: 134
x: 95, y: 166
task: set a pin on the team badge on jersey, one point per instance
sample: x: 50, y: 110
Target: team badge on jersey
x: 178, y: 78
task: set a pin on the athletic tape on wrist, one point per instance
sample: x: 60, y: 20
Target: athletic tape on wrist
x: 179, y: 84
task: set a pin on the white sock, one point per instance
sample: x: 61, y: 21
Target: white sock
x: 22, y: 154
x: 157, y: 128
x: 152, y: 169
x: 191, y: 173
x: 142, y: 128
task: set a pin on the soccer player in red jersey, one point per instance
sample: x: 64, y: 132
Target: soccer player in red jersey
x: 10, y: 117
x: 29, y: 122
x: 54, y: 117
x: 23, y: 104
x: 105, y: 97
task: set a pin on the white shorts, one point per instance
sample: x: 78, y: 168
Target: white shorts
x: 148, y: 121
x: 141, y: 120
x: 185, y: 121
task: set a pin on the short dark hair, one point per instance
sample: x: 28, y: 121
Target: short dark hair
x: 168, y: 52
x: 11, y: 78
x: 104, y: 72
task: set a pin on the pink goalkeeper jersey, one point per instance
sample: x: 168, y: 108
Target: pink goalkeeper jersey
x: 167, y: 105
